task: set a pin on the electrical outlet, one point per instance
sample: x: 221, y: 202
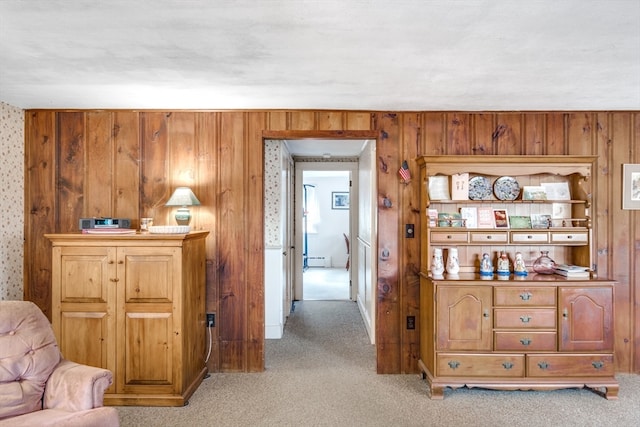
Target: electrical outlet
x: 211, y: 320
x: 411, y: 322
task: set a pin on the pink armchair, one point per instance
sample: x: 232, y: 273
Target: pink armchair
x: 39, y: 387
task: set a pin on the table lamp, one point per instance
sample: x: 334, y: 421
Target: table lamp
x: 183, y: 197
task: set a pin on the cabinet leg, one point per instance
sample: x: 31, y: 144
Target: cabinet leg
x: 612, y: 392
x: 437, y: 393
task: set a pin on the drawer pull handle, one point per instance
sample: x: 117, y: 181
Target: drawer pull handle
x: 453, y: 364
x: 489, y: 237
x: 598, y: 364
x: 543, y: 365
x: 507, y: 365
x: 526, y: 296
x: 525, y: 318
x: 525, y: 341
x: 449, y: 236
x: 569, y: 237
x: 529, y: 237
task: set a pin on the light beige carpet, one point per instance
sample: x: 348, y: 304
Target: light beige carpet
x: 322, y: 373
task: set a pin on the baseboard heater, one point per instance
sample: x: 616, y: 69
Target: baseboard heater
x: 319, y: 261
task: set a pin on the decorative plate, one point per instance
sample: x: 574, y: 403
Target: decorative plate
x: 479, y: 188
x: 506, y: 188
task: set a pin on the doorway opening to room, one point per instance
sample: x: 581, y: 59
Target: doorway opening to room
x: 320, y: 226
x: 326, y: 235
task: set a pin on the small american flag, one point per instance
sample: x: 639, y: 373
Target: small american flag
x: 404, y: 172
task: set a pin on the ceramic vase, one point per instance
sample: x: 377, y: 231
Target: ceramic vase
x: 437, y: 263
x: 453, y: 265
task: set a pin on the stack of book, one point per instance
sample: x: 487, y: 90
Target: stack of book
x: 572, y: 271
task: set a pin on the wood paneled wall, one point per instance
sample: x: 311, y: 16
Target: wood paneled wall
x: 126, y: 164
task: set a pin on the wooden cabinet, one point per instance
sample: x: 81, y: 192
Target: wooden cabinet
x: 515, y: 332
x: 133, y: 304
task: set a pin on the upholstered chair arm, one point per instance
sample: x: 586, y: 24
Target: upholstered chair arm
x: 75, y: 387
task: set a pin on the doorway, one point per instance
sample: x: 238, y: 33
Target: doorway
x: 285, y: 256
x: 326, y: 232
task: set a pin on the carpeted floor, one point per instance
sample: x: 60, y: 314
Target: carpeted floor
x: 322, y: 373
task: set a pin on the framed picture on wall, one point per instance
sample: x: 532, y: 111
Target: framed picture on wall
x: 631, y: 186
x: 339, y: 200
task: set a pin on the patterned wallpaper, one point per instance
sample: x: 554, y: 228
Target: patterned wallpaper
x: 11, y: 201
x: 272, y: 184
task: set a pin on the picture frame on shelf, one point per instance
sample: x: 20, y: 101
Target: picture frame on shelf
x: 501, y: 218
x: 520, y: 221
x: 556, y: 190
x: 631, y: 186
x: 540, y: 221
x: 339, y: 200
x: 531, y: 192
x: 439, y: 187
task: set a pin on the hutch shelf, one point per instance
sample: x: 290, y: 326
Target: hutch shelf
x: 514, y: 332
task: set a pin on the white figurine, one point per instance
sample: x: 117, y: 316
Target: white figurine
x: 519, y: 269
x: 503, y: 264
x: 486, y: 266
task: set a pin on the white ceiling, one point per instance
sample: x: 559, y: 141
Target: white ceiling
x: 402, y: 55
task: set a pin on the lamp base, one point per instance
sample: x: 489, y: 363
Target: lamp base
x: 183, y: 216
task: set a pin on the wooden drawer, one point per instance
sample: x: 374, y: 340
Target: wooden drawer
x: 524, y: 318
x: 448, y: 237
x: 571, y: 238
x: 480, y: 365
x: 529, y: 237
x: 570, y: 365
x: 525, y: 341
x: 488, y: 237
x: 517, y: 296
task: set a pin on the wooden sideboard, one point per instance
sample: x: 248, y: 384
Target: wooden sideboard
x: 511, y: 332
x: 133, y: 304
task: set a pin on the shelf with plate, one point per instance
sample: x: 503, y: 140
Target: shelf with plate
x: 512, y: 332
x: 561, y: 225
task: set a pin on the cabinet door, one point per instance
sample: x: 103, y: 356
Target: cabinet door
x: 83, y: 296
x: 586, y: 319
x: 464, y: 318
x: 149, y: 319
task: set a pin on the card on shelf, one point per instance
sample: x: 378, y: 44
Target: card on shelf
x: 530, y: 192
x: 433, y: 217
x: 460, y: 186
x: 439, y: 187
x: 470, y: 215
x: 540, y: 221
x: 501, y: 218
x: 520, y: 221
x: 561, y: 215
x: 556, y: 190
x: 485, y: 217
